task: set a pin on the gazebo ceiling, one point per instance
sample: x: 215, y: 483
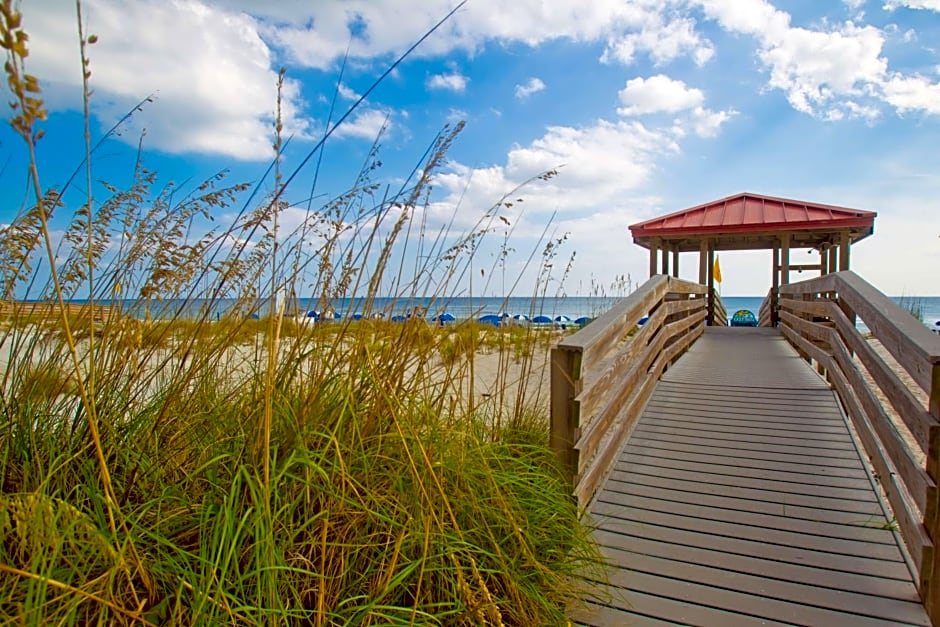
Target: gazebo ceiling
x: 751, y: 221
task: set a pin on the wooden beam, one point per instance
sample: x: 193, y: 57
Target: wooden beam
x: 703, y: 262
x: 824, y: 259
x: 675, y: 261
x: 784, y: 258
x: 665, y: 260
x: 799, y: 267
x: 654, y: 245
x: 710, y: 320
x: 845, y: 242
x: 775, y: 288
x: 833, y: 257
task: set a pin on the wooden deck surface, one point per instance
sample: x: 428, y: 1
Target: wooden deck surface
x: 741, y: 499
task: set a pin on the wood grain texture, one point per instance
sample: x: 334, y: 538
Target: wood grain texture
x: 741, y: 498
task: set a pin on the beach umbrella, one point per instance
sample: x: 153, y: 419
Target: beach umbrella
x: 643, y: 320
x: 357, y: 316
x: 562, y: 320
x: 490, y: 319
x: 583, y: 320
x: 542, y: 319
x: 398, y: 318
x: 446, y: 317
x: 313, y: 314
x: 520, y: 318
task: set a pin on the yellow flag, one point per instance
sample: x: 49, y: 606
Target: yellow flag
x: 716, y: 270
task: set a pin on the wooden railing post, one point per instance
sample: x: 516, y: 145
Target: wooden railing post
x: 564, y: 419
x: 930, y: 575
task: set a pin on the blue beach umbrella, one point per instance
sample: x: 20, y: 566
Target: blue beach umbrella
x: 446, y: 317
x: 542, y: 319
x: 313, y: 314
x: 490, y: 319
x: 357, y: 316
x: 642, y: 320
x: 562, y: 320
x: 398, y: 318
x: 520, y: 318
x: 583, y: 320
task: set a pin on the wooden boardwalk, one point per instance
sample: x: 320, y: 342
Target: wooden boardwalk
x: 741, y: 499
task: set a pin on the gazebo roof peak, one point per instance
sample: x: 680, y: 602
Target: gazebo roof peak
x: 754, y: 221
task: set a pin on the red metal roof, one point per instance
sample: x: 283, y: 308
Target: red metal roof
x: 753, y: 213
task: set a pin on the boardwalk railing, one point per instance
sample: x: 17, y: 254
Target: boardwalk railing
x: 720, y: 313
x: 602, y: 375
x: 818, y: 317
x: 41, y: 310
x: 765, y: 316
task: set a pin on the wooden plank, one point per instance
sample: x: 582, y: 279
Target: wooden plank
x: 831, y: 438
x: 915, y: 536
x: 723, y: 444
x: 606, y: 505
x: 711, y: 457
x: 866, y: 508
x: 792, y: 601
x: 630, y: 472
x: 758, y: 565
x: 811, y: 308
x: 787, y: 510
x: 859, y: 482
x: 608, y: 329
x: 919, y: 485
x: 751, y: 436
x: 600, y: 615
x: 681, y: 450
x: 915, y: 416
x: 731, y: 600
x: 770, y: 413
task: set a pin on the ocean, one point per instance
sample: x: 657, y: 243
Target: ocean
x: 463, y: 307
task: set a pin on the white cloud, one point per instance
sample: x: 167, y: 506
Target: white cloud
x: 663, y: 40
x: 912, y: 93
x: 832, y: 74
x: 929, y: 5
x: 657, y: 93
x: 211, y: 71
x: 365, y: 125
x: 661, y: 94
x: 534, y: 85
x: 453, y: 81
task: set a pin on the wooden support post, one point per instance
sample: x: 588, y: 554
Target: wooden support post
x: 564, y: 420
x: 845, y: 242
x: 784, y: 258
x: 775, y: 288
x: 823, y: 259
x: 654, y: 245
x: 665, y: 260
x: 703, y: 262
x: 710, y: 320
x: 675, y: 261
x: 833, y: 258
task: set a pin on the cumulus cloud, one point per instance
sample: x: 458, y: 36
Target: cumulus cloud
x: 365, y: 125
x: 661, y: 94
x: 211, y: 71
x: 657, y: 93
x: 832, y: 73
x: 664, y: 40
x: 534, y: 85
x: 453, y: 81
x: 929, y: 5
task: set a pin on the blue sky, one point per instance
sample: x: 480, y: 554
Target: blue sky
x: 645, y: 107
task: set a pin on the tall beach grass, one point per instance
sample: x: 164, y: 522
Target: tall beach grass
x: 181, y: 470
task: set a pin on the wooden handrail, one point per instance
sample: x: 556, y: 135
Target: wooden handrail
x: 765, y: 313
x: 818, y: 317
x: 49, y: 310
x: 721, y: 314
x: 602, y: 376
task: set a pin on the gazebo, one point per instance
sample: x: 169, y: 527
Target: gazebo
x: 749, y: 221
